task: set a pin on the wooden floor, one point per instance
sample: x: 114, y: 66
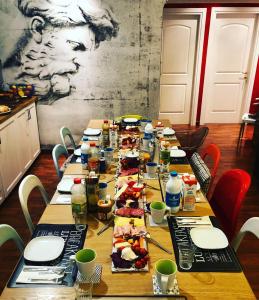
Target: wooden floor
x: 225, y: 136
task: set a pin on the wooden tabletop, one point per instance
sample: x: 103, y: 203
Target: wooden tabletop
x: 194, y: 285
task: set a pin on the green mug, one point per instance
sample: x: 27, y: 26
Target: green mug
x: 166, y: 270
x: 158, y: 210
x: 85, y: 261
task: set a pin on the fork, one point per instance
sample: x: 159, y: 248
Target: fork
x: 55, y: 280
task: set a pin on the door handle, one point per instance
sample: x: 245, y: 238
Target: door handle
x: 245, y: 76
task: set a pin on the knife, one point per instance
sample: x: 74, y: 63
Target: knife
x: 105, y: 227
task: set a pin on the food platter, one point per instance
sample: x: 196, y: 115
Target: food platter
x: 129, y: 252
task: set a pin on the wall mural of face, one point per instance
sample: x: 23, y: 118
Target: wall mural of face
x: 53, y: 48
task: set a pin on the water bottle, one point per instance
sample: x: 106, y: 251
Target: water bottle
x: 78, y: 201
x: 114, y: 136
x: 85, y: 150
x: 173, y: 192
x: 149, y: 130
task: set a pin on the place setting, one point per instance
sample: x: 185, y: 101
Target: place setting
x: 46, y: 258
x: 206, y: 244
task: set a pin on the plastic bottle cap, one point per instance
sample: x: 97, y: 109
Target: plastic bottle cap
x: 77, y: 180
x: 173, y: 174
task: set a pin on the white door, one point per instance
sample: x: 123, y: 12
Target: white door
x: 229, y: 51
x: 179, y: 43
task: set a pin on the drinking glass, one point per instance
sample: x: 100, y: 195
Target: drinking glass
x: 186, y: 255
x: 83, y: 290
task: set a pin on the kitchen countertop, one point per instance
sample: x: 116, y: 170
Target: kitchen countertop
x: 18, y: 107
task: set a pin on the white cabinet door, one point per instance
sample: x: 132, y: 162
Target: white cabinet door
x: 177, y: 66
x: 28, y: 135
x: 25, y: 156
x: 9, y: 149
x: 230, y: 50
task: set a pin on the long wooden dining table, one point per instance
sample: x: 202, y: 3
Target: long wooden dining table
x: 193, y: 285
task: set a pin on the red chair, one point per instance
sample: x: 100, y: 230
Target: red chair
x: 212, y: 154
x: 228, y: 195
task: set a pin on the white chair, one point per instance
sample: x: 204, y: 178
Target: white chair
x: 251, y: 225
x: 64, y: 133
x: 246, y: 119
x: 7, y: 232
x: 57, y: 152
x: 27, y: 185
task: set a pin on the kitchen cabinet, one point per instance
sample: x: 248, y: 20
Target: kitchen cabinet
x: 28, y: 135
x: 19, y: 147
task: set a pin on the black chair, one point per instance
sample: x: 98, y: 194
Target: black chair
x: 191, y: 141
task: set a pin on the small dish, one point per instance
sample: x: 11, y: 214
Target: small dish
x: 65, y: 185
x: 209, y: 238
x: 177, y: 153
x: 92, y: 131
x: 6, y: 112
x: 77, y: 152
x: 44, y: 249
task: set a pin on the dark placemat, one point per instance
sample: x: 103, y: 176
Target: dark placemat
x: 74, y: 241
x: 220, y: 260
x: 179, y: 161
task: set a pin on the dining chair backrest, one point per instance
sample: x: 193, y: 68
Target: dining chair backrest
x: 27, y: 185
x: 227, y: 197
x: 211, y: 156
x: 192, y: 140
x: 213, y: 152
x: 252, y: 226
x: 7, y: 232
x: 57, y: 152
x: 64, y: 134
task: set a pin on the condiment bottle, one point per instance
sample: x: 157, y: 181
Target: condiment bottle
x: 105, y: 133
x: 165, y: 156
x: 78, y: 201
x: 92, y: 191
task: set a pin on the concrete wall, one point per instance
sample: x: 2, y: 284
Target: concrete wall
x: 120, y: 76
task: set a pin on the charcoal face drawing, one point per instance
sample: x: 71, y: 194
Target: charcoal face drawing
x: 44, y: 41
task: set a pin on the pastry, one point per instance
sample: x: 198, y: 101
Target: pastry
x: 4, y: 108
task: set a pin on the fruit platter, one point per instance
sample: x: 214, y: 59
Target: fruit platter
x: 129, y: 253
x: 130, y: 194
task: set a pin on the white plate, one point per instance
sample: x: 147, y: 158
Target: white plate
x: 209, y: 238
x: 77, y: 152
x: 44, y: 248
x: 65, y: 185
x: 168, y: 131
x: 177, y: 153
x: 92, y: 131
x: 130, y: 120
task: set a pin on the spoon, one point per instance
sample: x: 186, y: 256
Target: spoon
x: 147, y: 236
